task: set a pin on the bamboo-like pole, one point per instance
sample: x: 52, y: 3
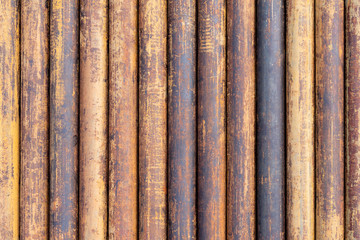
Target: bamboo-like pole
x: 152, y: 120
x: 123, y: 114
x: 211, y: 168
x: 93, y: 158
x: 34, y: 183
x: 64, y: 39
x: 270, y: 152
x: 329, y: 15
x: 352, y: 214
x: 182, y: 119
x: 9, y: 118
x: 300, y: 128
x: 241, y: 180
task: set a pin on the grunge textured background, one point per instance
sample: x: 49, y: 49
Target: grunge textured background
x: 179, y: 119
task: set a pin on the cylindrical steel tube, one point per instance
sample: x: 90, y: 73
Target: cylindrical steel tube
x: 9, y: 118
x: 93, y: 159
x: 123, y: 113
x: 152, y: 120
x: 64, y: 39
x: 352, y: 214
x: 211, y: 168
x: 241, y: 180
x: 300, y: 128
x: 329, y: 15
x: 270, y: 152
x: 34, y: 183
x: 182, y: 119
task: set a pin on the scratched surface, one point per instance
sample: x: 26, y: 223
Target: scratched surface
x: 123, y: 111
x: 182, y: 119
x: 241, y: 180
x: 9, y: 118
x: 352, y: 214
x: 270, y: 119
x: 211, y: 169
x: 329, y: 119
x: 300, y: 119
x: 93, y: 160
x: 34, y: 182
x: 64, y: 34
x: 152, y: 120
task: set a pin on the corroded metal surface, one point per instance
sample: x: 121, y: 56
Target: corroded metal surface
x: 211, y: 168
x: 152, y: 120
x: 9, y: 118
x: 270, y: 140
x: 329, y: 16
x: 300, y: 128
x: 123, y: 111
x: 241, y: 180
x: 352, y: 214
x: 34, y: 183
x: 182, y: 119
x: 64, y: 39
x: 93, y: 160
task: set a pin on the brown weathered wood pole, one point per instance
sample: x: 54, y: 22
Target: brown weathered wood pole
x: 241, y: 180
x: 64, y: 54
x: 9, y: 118
x: 329, y: 15
x: 93, y: 160
x: 152, y: 120
x: 352, y: 214
x: 182, y: 119
x: 211, y: 169
x: 123, y: 114
x: 34, y: 183
x: 300, y: 127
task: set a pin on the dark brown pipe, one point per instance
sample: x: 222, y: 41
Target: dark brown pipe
x: 241, y: 180
x: 211, y: 168
x: 329, y: 50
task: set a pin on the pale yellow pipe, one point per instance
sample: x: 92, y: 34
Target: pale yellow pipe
x: 300, y: 119
x: 9, y: 119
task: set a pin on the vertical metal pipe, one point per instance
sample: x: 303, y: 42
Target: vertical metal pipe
x: 270, y: 140
x: 352, y: 214
x: 123, y: 119
x: 93, y: 160
x: 241, y: 180
x: 300, y: 127
x: 152, y: 119
x: 211, y: 169
x: 64, y: 39
x: 34, y: 183
x: 182, y: 119
x: 329, y: 15
x: 9, y: 118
